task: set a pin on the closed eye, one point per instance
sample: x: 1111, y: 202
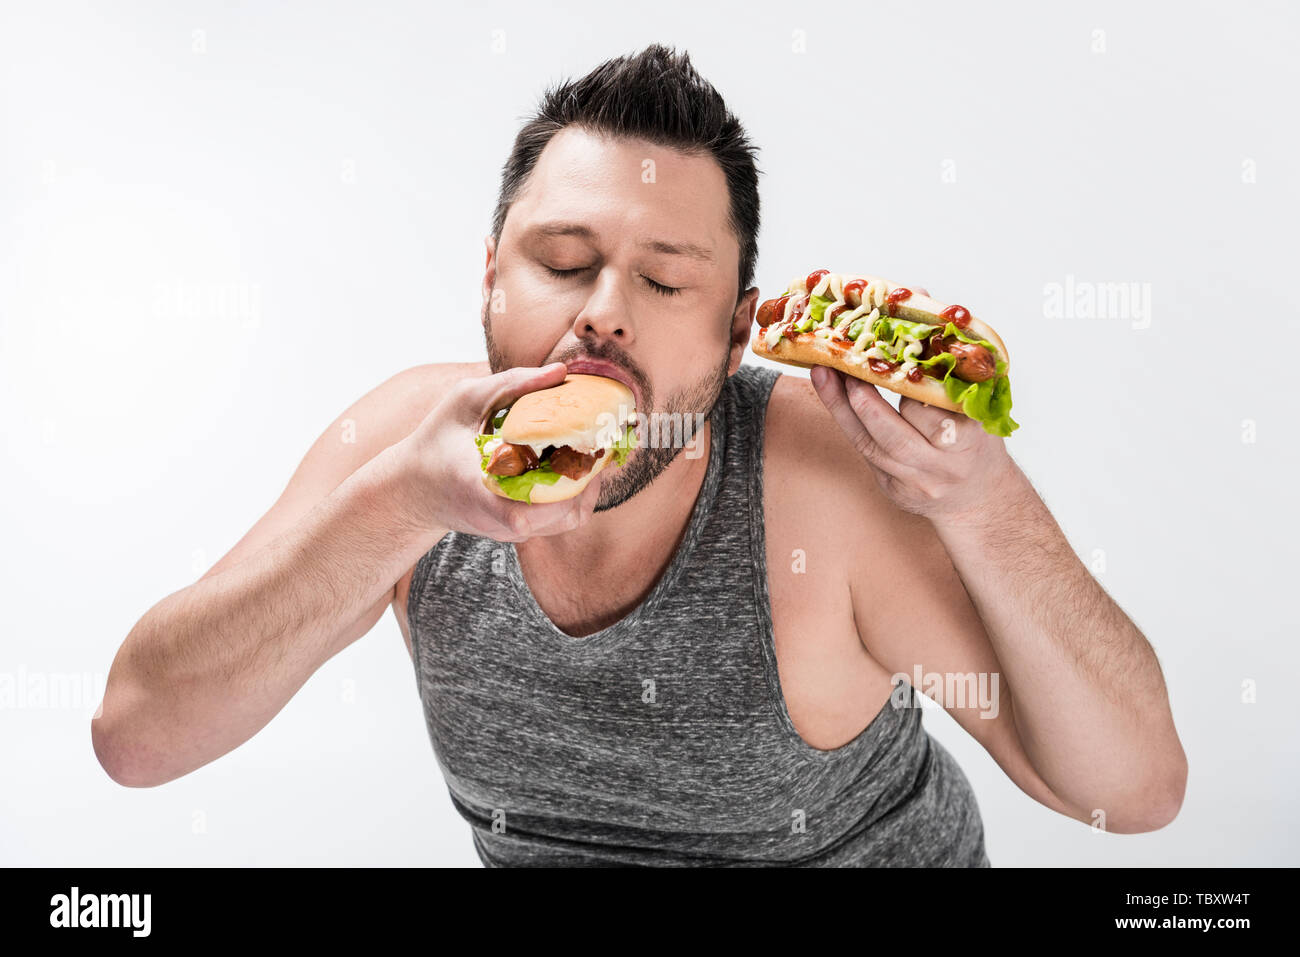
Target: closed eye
x: 561, y: 273
x: 656, y: 286
x: 661, y: 288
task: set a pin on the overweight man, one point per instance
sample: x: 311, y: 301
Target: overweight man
x: 714, y: 655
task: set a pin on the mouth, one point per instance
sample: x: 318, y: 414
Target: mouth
x: 609, y: 371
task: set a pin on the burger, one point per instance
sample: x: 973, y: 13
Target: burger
x: 550, y: 444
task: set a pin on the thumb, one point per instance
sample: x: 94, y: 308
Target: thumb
x: 829, y: 385
x: 484, y: 396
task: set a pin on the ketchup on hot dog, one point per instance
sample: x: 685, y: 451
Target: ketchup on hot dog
x: 973, y: 362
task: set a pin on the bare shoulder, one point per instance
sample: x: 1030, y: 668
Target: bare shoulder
x: 820, y: 501
x: 824, y: 487
x: 893, y: 560
x: 402, y: 401
x: 823, y: 512
x: 807, y: 453
x: 381, y: 417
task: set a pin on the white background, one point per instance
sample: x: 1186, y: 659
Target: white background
x: 220, y: 226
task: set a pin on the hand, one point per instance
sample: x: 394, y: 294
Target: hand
x: 928, y: 461
x: 446, y: 478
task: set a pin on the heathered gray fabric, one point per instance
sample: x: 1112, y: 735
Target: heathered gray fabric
x: 664, y: 738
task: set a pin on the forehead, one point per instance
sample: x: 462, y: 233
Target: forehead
x: 623, y: 185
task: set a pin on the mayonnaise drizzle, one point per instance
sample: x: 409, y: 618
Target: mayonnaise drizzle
x: 874, y: 296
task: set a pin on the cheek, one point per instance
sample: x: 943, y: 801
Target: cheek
x: 685, y: 370
x: 525, y: 320
x: 520, y: 301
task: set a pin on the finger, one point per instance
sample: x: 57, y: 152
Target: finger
x: 894, y: 434
x: 928, y: 419
x: 943, y: 428
x: 527, y: 520
x: 830, y: 386
x: 521, y: 521
x: 485, y: 395
x: 585, y: 504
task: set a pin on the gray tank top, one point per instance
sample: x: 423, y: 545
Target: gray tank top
x: 664, y: 739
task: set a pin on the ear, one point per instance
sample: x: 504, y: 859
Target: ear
x: 489, y: 270
x: 742, y: 323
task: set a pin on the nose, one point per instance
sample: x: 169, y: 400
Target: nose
x: 605, y: 314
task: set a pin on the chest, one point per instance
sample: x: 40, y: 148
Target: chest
x: 670, y: 727
x: 826, y: 682
x: 581, y: 600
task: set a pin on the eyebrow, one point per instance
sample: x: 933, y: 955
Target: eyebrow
x: 689, y: 250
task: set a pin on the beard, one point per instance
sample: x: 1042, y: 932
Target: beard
x: 646, y: 462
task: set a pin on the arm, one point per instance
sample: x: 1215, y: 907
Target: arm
x: 1069, y: 650
x: 210, y: 665
x: 1088, y: 726
x: 207, y: 667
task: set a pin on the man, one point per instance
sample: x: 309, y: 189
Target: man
x: 693, y: 662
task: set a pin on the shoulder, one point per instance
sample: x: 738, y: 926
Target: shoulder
x: 807, y: 446
x: 382, y: 417
x: 816, y: 482
x: 391, y: 410
x: 405, y: 398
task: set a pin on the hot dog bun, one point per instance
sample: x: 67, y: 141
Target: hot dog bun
x: 871, y: 297
x: 584, y: 412
x: 809, y: 350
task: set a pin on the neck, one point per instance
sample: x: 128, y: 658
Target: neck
x: 640, y: 526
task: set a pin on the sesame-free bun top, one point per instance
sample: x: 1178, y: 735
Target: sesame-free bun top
x: 585, y: 412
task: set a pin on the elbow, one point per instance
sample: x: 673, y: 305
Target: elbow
x: 117, y: 760
x: 124, y: 736
x: 1171, y: 801
x: 1160, y: 804
x: 106, y: 754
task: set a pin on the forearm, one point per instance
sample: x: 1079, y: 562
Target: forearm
x: 210, y: 665
x: 1087, y: 693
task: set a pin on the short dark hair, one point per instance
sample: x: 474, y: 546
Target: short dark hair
x: 655, y: 95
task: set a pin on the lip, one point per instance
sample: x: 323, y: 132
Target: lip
x: 609, y: 371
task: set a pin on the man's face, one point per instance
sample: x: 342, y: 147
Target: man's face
x: 623, y: 221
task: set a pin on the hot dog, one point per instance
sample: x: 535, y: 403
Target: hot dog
x: 885, y: 334
x: 551, y: 443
